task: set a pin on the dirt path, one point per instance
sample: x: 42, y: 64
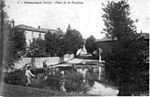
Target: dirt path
x: 103, y: 90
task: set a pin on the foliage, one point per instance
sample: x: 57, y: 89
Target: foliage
x: 53, y: 81
x: 36, y: 48
x: 73, y: 40
x: 125, y: 65
x: 90, y: 44
x: 17, y: 77
x: 17, y: 46
x: 117, y: 21
x: 3, y: 15
x: 54, y: 43
x: 58, y: 43
x: 73, y: 80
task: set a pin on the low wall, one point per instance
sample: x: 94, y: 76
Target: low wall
x: 38, y: 61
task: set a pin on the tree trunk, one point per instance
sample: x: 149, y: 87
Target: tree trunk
x: 3, y: 51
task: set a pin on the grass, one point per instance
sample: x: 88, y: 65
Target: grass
x: 20, y: 91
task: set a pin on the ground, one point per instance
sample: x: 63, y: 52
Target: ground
x: 20, y: 91
x: 103, y: 89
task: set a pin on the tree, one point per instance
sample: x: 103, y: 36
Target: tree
x: 5, y: 28
x: 17, y: 45
x: 90, y: 44
x: 36, y: 48
x: 73, y: 40
x: 125, y: 65
x: 54, y: 43
x: 49, y: 41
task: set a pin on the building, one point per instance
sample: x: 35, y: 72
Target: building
x: 32, y: 32
x: 107, y: 44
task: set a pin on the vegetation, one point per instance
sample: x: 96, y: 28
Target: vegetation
x: 17, y: 77
x: 36, y: 48
x: 19, y: 91
x: 17, y: 45
x: 90, y: 44
x: 13, y: 40
x: 126, y: 64
x: 73, y: 80
x: 54, y: 43
x: 73, y: 40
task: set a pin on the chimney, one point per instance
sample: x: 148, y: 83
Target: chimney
x: 38, y: 27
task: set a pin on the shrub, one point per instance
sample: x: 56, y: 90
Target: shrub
x: 74, y: 82
x: 17, y: 77
x: 53, y: 81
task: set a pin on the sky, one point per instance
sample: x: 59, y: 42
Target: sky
x: 85, y: 17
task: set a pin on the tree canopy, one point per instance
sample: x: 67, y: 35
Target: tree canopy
x: 73, y: 40
x: 36, y: 48
x: 54, y: 43
x: 17, y: 45
x: 90, y: 44
x: 125, y: 65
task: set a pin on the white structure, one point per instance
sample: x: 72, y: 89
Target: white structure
x: 100, y: 57
x: 81, y: 51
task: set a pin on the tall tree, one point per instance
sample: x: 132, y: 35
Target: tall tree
x: 90, y: 44
x: 49, y: 41
x: 5, y: 28
x: 54, y: 43
x: 125, y: 65
x: 17, y: 45
x: 36, y: 48
x: 73, y: 40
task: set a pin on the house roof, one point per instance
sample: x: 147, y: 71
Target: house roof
x: 30, y: 28
x: 145, y: 35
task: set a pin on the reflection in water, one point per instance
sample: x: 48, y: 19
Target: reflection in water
x: 101, y: 89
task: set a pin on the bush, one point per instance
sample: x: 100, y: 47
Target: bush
x: 17, y: 77
x: 53, y: 82
x: 74, y: 82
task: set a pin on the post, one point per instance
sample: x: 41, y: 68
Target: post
x: 100, y: 51
x: 99, y: 73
